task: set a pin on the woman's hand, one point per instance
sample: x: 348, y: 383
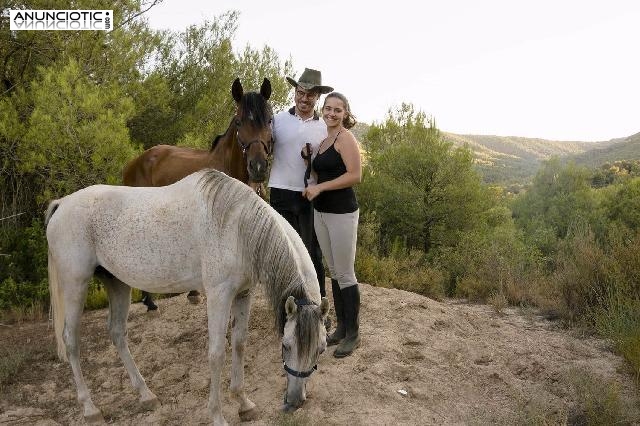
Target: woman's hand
x: 311, y: 192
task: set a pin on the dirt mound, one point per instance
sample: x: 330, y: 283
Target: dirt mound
x: 420, y: 362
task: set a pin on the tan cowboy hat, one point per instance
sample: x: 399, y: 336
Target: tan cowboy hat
x: 310, y: 80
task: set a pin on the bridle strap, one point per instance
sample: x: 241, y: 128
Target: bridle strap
x: 305, y: 302
x: 245, y: 147
x: 302, y: 374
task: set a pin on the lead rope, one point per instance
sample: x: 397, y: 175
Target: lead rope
x: 307, y: 173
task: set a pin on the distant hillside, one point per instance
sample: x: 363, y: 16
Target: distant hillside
x: 513, y: 159
x: 620, y: 149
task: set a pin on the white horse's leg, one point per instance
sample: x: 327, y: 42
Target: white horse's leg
x: 218, y: 308
x: 119, y: 300
x: 240, y: 322
x: 74, y: 296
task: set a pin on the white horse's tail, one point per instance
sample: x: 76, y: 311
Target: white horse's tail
x: 55, y: 293
x: 57, y: 307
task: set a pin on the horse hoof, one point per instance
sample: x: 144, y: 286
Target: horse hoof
x: 151, y: 404
x: 94, y: 418
x: 248, y: 415
x: 195, y: 299
x: 288, y: 409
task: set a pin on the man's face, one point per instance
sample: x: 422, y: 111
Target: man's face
x: 306, y: 101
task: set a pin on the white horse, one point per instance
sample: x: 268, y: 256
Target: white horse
x: 207, y: 232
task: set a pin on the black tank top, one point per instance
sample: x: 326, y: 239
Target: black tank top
x: 328, y: 166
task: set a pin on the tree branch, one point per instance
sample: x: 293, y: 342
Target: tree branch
x: 134, y: 16
x: 13, y: 215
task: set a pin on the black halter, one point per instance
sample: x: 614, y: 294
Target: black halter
x: 245, y: 146
x: 295, y: 373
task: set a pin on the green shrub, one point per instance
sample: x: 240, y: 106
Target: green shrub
x: 493, y: 263
x: 22, y: 294
x: 96, y: 296
x: 23, y: 268
x: 402, y: 268
x: 582, y: 274
x: 409, y: 272
x: 619, y: 319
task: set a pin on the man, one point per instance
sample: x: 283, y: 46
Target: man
x: 292, y: 129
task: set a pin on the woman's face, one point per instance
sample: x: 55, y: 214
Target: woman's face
x: 333, y: 112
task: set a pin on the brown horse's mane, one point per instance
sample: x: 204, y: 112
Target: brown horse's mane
x: 256, y: 108
x: 215, y: 142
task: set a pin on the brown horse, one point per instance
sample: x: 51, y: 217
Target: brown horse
x: 241, y: 152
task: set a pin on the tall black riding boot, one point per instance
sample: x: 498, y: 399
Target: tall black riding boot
x: 194, y: 297
x: 351, y: 301
x: 338, y: 305
x: 147, y: 300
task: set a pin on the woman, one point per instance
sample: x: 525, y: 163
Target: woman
x: 337, y: 167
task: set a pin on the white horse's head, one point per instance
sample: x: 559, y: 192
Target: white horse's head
x: 304, y: 339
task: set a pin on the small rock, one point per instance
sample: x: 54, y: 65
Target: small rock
x: 483, y: 360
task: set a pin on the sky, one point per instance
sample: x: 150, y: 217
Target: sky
x: 551, y: 69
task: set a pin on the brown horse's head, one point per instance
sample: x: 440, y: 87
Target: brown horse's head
x: 253, y: 125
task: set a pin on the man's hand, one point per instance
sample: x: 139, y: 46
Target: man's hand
x: 311, y: 192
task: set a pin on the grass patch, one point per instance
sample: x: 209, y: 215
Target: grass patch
x: 498, y: 301
x: 19, y: 352
x: 598, y: 402
x: 11, y: 363
x: 34, y: 311
x: 539, y: 411
x: 298, y: 418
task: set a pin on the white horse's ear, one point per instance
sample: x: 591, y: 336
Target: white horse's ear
x: 324, y: 307
x: 290, y: 306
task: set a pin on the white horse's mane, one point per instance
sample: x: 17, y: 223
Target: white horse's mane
x: 266, y: 245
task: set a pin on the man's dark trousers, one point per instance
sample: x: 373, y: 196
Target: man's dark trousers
x: 298, y: 211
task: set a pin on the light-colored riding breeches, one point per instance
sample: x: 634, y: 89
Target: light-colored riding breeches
x: 337, y: 235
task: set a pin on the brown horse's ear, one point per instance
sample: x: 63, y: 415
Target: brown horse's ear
x: 265, y: 89
x: 236, y: 90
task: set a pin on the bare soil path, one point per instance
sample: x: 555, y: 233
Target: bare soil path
x: 421, y: 362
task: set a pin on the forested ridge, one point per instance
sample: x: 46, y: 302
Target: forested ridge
x: 76, y: 106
